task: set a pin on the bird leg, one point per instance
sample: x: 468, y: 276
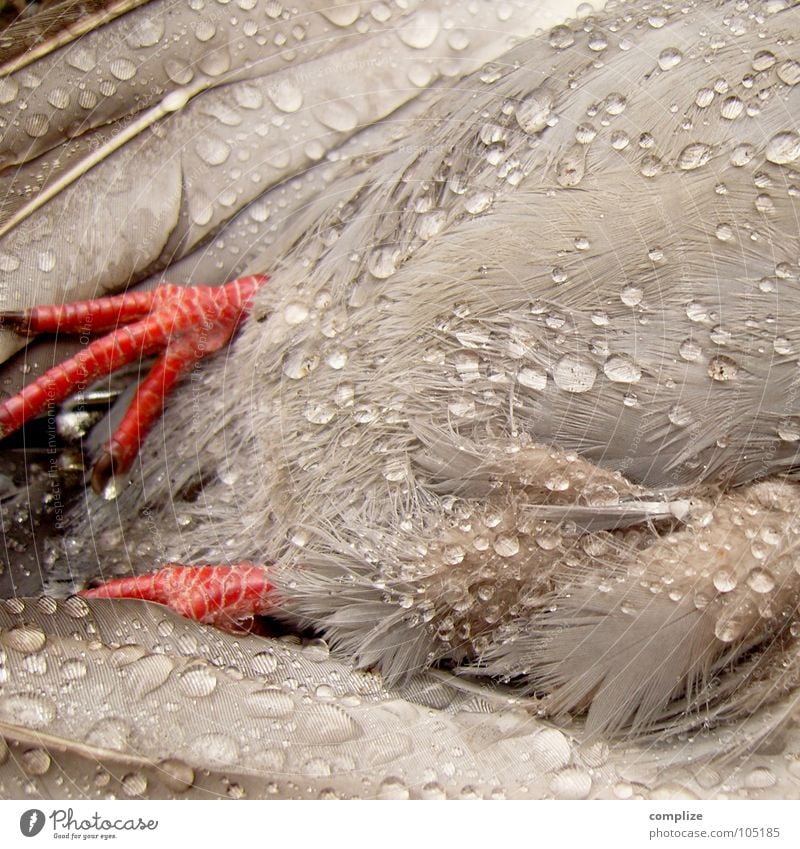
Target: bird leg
x: 224, y: 596
x: 184, y: 324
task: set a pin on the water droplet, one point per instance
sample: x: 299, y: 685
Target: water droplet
x: 341, y: 15
x: 619, y: 140
x: 82, y: 58
x: 319, y: 413
x: 597, y: 41
x: 73, y: 669
x: 724, y: 232
x: 731, y: 108
x: 650, y: 165
x: 561, y: 37
x: 59, y: 98
x: 338, y: 115
x: 134, y: 784
x: 669, y: 58
x: 783, y: 148
x: 35, y: 762
x: 299, y: 363
x: 479, y: 202
x: 622, y: 369
x: 264, y: 663
x: 431, y: 223
x: 421, y: 31
x: 760, y: 581
x: 760, y: 778
x: 393, y: 788
x: 27, y: 710
x: 724, y: 581
x: 382, y: 263
x: 506, y: 546
x: 533, y: 112
x: 764, y: 204
x: 789, y: 72
x: 214, y: 749
x: 585, y: 133
x: 574, y: 374
x: 680, y: 415
x: 198, y: 681
x: 571, y: 167
x: 631, y: 296
x: 147, y: 32
x: 789, y: 429
x: 8, y: 90
x: 122, y: 69
x: 694, y: 156
x: 37, y: 125
x: 704, y: 97
x: 532, y: 378
x: 178, y: 776
x: 204, y: 30
x: 24, y: 639
x: 722, y: 368
x: 285, y: 94
x: 763, y: 60
x: 212, y: 150
x: 615, y: 103
x: 741, y: 155
x: 727, y: 629
x: 571, y: 783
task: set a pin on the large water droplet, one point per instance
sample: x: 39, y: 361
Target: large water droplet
x: 574, y: 374
x: 783, y: 148
x: 789, y: 72
x: 421, y: 31
x: 669, y: 58
x: 722, y: 368
x: 571, y: 167
x: 534, y: 112
x: 622, y: 369
x: 694, y: 156
x: 338, y: 115
x: 285, y: 94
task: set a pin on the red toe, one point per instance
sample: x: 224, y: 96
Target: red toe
x: 185, y: 323
x: 214, y: 595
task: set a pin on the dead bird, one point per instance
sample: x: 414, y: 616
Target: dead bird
x: 523, y: 398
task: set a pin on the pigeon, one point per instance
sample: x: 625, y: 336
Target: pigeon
x: 518, y: 399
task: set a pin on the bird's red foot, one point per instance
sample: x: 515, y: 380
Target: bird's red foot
x: 184, y: 324
x: 224, y: 596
